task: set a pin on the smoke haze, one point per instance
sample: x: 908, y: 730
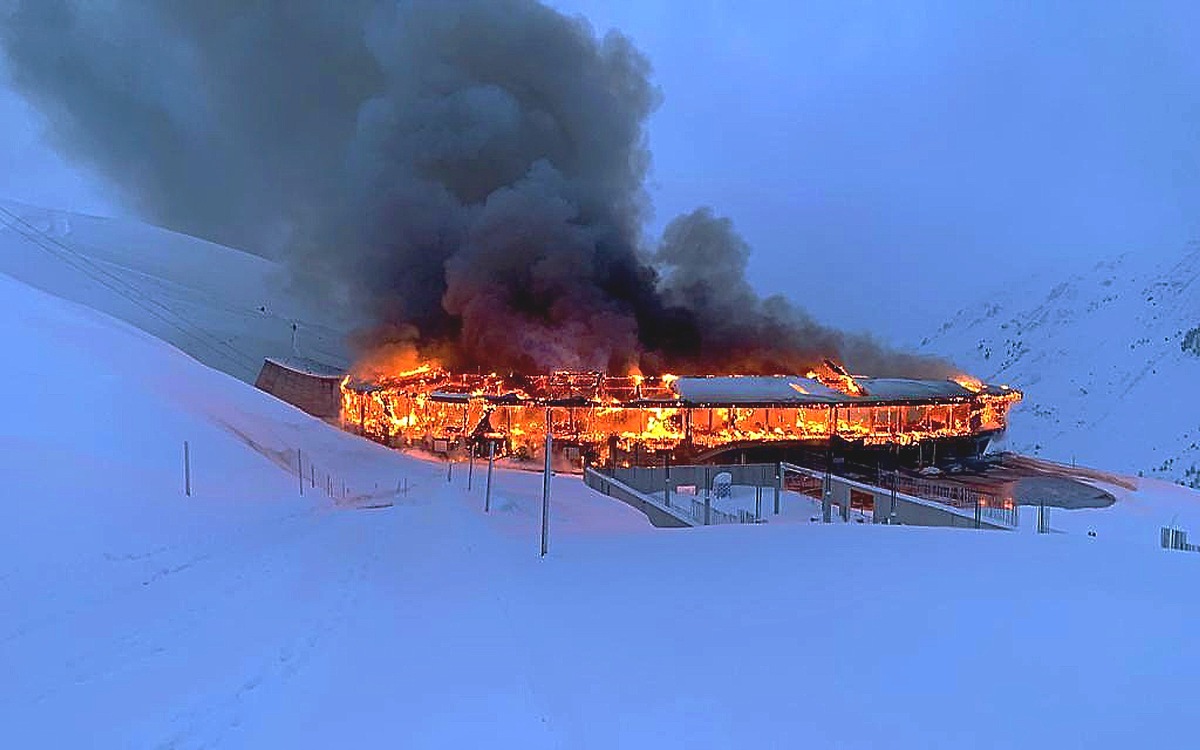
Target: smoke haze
x: 470, y: 174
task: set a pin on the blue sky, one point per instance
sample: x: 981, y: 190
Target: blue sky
x: 903, y: 146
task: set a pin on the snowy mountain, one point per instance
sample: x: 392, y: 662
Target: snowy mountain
x: 1109, y: 360
x: 225, y: 307
x: 247, y: 615
x: 395, y: 612
x: 1106, y: 355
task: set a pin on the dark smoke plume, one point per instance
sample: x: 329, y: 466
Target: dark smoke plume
x: 470, y: 173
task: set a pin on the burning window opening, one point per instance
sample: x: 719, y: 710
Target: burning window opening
x: 597, y: 418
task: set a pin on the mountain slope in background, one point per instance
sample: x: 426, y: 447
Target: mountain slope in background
x: 225, y: 307
x: 1107, y: 358
x: 248, y: 616
x: 1109, y: 361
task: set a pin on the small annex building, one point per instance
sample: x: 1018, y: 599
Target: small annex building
x: 310, y: 386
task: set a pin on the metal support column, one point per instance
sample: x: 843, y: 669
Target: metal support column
x: 778, y: 484
x: 487, y: 490
x: 546, y: 485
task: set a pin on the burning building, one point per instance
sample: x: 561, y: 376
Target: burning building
x: 599, y: 418
x: 469, y: 179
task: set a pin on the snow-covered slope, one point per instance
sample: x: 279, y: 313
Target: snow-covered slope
x: 248, y: 616
x: 227, y: 308
x: 1109, y: 360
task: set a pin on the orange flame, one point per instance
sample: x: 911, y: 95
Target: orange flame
x: 601, y: 417
x: 974, y: 385
x: 396, y: 361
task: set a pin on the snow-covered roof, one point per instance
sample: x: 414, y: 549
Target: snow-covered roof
x: 890, y: 389
x: 784, y: 389
x: 755, y: 389
x: 309, y: 367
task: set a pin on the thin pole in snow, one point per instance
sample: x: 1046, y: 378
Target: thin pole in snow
x: 778, y: 484
x: 546, y: 486
x: 471, y: 467
x: 300, y: 470
x: 312, y: 475
x: 895, y: 483
x: 487, y: 489
x: 667, y: 479
x: 707, y: 498
x: 187, y: 470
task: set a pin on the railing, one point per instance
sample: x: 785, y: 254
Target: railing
x: 718, y: 516
x: 985, y: 504
x: 658, y: 486
x: 654, y: 478
x: 1172, y: 538
x: 654, y: 485
x: 664, y: 513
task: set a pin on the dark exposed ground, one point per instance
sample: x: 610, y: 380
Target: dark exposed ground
x: 1060, y: 492
x: 1034, y: 481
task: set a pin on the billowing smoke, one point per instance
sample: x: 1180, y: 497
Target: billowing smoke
x: 469, y: 173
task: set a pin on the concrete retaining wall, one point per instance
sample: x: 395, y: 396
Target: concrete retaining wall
x: 607, y: 486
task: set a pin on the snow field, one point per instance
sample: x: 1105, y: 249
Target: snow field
x: 248, y: 616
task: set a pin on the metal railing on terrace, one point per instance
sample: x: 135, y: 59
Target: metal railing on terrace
x: 985, y: 504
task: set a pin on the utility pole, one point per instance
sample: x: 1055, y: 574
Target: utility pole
x: 546, y: 485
